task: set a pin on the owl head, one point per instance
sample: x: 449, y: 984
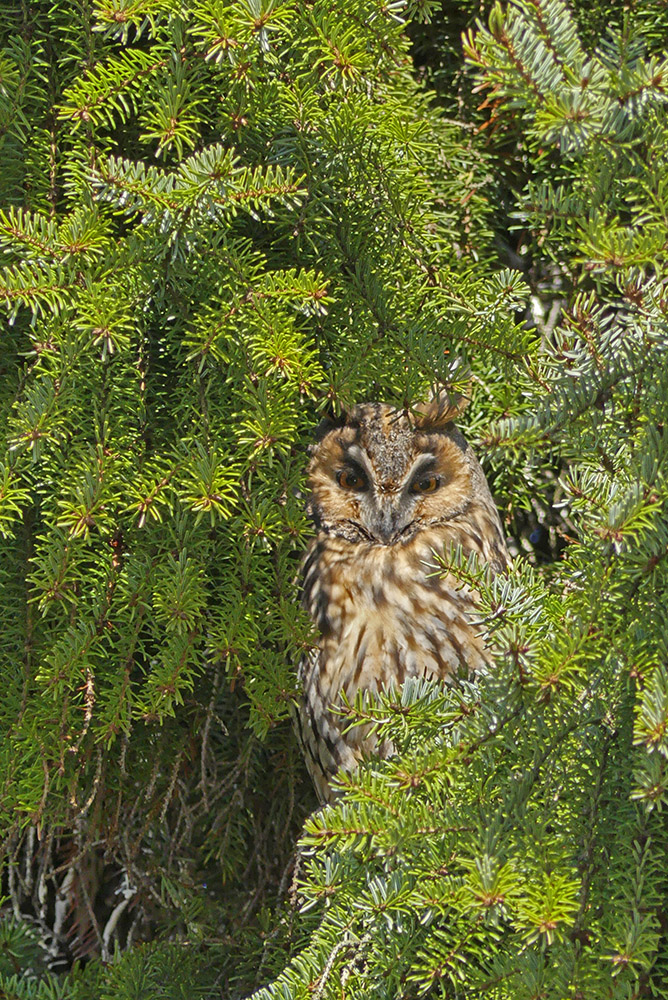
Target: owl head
x: 382, y: 475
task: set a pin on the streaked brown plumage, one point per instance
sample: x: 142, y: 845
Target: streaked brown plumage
x: 388, y: 490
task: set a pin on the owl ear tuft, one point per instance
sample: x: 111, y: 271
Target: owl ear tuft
x: 442, y: 410
x: 330, y: 422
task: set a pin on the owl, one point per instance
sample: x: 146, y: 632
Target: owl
x: 389, y: 490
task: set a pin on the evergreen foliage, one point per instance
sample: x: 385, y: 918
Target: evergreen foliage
x: 219, y: 220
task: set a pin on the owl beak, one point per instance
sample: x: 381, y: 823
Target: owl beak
x: 389, y: 522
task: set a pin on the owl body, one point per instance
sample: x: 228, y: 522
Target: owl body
x: 389, y: 491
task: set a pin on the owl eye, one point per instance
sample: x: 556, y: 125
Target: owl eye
x: 351, y: 480
x: 426, y: 484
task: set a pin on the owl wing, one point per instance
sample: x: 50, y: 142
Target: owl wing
x: 310, y: 722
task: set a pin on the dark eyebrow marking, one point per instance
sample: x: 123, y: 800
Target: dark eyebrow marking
x: 428, y: 462
x: 357, y: 459
x: 425, y: 463
x: 355, y: 465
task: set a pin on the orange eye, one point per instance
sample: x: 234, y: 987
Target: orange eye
x: 351, y: 480
x: 427, y: 484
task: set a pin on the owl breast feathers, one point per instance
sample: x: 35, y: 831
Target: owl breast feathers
x: 388, y: 490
